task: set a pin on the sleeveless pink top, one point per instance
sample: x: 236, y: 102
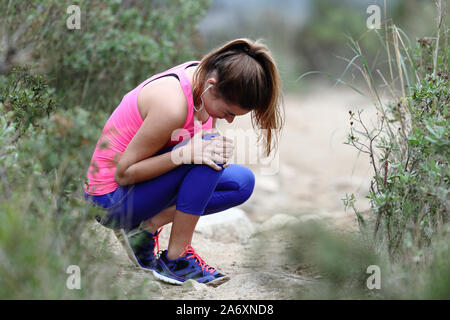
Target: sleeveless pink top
x: 121, y: 127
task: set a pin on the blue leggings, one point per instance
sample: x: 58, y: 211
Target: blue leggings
x: 194, y: 188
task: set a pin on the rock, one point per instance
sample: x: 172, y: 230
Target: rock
x: 278, y: 221
x: 101, y: 239
x: 192, y: 285
x: 309, y: 217
x: 139, y: 282
x: 231, y: 225
x: 269, y: 184
x: 154, y: 287
x: 324, y: 214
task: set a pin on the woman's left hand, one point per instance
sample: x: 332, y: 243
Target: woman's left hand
x: 226, y: 150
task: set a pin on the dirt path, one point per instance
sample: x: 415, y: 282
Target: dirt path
x: 315, y: 171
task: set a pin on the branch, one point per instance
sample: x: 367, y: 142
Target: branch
x: 439, y: 22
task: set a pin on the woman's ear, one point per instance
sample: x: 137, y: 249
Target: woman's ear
x: 211, y: 81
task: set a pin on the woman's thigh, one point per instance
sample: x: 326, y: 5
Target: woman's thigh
x: 136, y: 203
x: 196, y: 189
x: 234, y: 187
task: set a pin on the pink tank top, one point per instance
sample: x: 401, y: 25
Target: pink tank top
x: 121, y: 127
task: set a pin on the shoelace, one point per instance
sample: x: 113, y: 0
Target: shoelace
x: 149, y: 248
x: 201, y: 262
x: 156, y: 238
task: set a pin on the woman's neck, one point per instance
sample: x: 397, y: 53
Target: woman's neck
x: 201, y: 115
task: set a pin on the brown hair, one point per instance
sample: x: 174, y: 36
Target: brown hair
x: 248, y: 77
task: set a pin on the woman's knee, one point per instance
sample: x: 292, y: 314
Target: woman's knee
x: 246, y: 182
x: 250, y: 182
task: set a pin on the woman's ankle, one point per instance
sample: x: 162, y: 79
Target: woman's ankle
x: 174, y: 253
x: 150, y: 227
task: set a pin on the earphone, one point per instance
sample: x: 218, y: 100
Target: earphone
x: 211, y: 85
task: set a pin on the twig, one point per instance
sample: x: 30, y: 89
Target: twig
x: 387, y: 44
x: 386, y: 166
x: 372, y: 157
x: 398, y: 59
x: 436, y: 50
x: 394, y: 96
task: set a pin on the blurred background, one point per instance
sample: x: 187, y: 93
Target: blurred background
x: 307, y: 35
x: 58, y: 86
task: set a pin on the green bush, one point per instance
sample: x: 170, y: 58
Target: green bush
x: 341, y: 263
x: 40, y: 225
x: 26, y: 97
x: 406, y: 230
x: 120, y: 44
x: 51, y: 115
x: 410, y: 155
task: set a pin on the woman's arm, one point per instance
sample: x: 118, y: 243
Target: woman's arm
x: 166, y: 114
x: 146, y: 169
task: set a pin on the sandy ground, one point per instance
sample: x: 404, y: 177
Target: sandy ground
x: 313, y: 173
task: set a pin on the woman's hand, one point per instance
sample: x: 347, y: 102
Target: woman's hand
x: 209, y: 151
x: 225, y: 148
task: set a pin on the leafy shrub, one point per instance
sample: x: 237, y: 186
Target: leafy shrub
x: 406, y: 230
x: 51, y: 115
x: 341, y: 262
x: 120, y: 44
x: 27, y: 97
x: 409, y: 152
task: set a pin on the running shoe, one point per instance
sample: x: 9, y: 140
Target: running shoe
x: 140, y: 246
x: 189, y: 265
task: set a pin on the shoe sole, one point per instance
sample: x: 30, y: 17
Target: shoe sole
x: 166, y: 279
x: 123, y: 239
x: 214, y: 283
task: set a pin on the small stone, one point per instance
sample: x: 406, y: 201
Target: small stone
x: 154, y: 287
x: 278, y: 221
x: 309, y: 217
x: 231, y: 225
x: 268, y: 184
x: 192, y: 285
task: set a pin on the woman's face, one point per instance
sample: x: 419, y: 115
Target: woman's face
x: 218, y: 108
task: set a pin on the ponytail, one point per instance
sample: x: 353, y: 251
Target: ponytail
x: 247, y: 76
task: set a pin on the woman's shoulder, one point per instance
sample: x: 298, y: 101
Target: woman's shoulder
x: 163, y: 97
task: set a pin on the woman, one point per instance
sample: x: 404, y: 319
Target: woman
x: 144, y: 177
